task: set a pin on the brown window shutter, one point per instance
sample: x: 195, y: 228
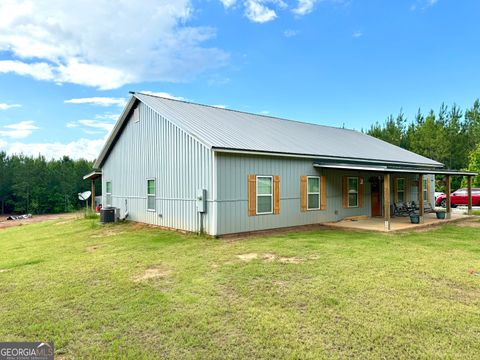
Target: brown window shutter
x: 276, y: 194
x: 395, y: 189
x: 360, y: 191
x: 323, y: 192
x: 345, y: 192
x: 303, y: 193
x: 252, y: 195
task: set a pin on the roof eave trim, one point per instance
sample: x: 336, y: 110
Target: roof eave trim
x: 114, y: 134
x: 320, y: 157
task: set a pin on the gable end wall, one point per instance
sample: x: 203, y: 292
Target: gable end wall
x: 153, y: 147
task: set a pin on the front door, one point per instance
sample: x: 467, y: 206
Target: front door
x: 376, y: 196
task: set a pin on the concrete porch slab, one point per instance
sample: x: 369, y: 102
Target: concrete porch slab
x: 396, y: 223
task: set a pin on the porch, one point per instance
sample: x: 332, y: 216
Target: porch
x: 401, y: 223
x: 384, y: 200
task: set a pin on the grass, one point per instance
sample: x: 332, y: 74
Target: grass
x: 130, y: 291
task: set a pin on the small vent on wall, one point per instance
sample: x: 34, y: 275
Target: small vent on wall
x: 136, y: 115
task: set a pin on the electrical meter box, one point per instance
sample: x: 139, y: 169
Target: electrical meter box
x: 201, y: 200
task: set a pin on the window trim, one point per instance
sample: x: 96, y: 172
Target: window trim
x: 356, y: 192
x: 264, y: 195
x: 400, y: 191
x: 154, y: 195
x: 107, y: 204
x: 314, y: 193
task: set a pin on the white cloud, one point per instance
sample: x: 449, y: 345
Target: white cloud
x: 39, y: 70
x: 107, y: 126
x: 290, y: 33
x: 89, y: 124
x: 220, y: 106
x: 4, y: 106
x: 104, y: 44
x: 108, y: 116
x: 304, y: 7
x: 357, y: 34
x: 18, y: 130
x: 256, y: 11
x: 78, y: 149
x: 101, y: 101
x: 423, y: 4
x: 228, y: 3
x: 162, y: 94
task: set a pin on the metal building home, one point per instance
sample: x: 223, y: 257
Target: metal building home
x: 200, y: 168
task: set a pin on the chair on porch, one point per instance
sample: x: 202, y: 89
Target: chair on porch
x: 402, y: 209
x: 427, y: 207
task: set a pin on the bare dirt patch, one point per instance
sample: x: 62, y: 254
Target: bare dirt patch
x: 248, y: 257
x: 156, y: 272
x: 270, y: 257
x: 290, y: 260
x: 474, y: 223
x: 4, y: 223
x: 4, y: 270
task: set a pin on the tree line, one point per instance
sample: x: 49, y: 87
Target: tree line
x: 450, y: 136
x: 38, y: 186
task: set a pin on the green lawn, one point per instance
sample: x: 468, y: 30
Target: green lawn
x: 132, y: 291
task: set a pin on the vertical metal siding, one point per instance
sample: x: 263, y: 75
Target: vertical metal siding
x: 233, y: 170
x: 155, y: 148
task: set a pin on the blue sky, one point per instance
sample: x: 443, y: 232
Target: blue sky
x: 65, y: 70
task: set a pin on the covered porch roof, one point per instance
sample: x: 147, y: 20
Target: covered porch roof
x: 392, y: 169
x: 93, y: 175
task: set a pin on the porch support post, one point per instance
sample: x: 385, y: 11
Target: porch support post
x: 421, y: 203
x: 386, y: 200
x: 447, y: 192
x: 469, y: 187
x: 93, y: 195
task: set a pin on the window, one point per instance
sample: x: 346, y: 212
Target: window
x: 400, y: 189
x: 151, y: 195
x: 108, y: 193
x: 264, y: 195
x: 313, y: 193
x: 353, y: 192
x: 425, y: 190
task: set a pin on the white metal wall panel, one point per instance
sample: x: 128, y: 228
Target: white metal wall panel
x: 155, y: 148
